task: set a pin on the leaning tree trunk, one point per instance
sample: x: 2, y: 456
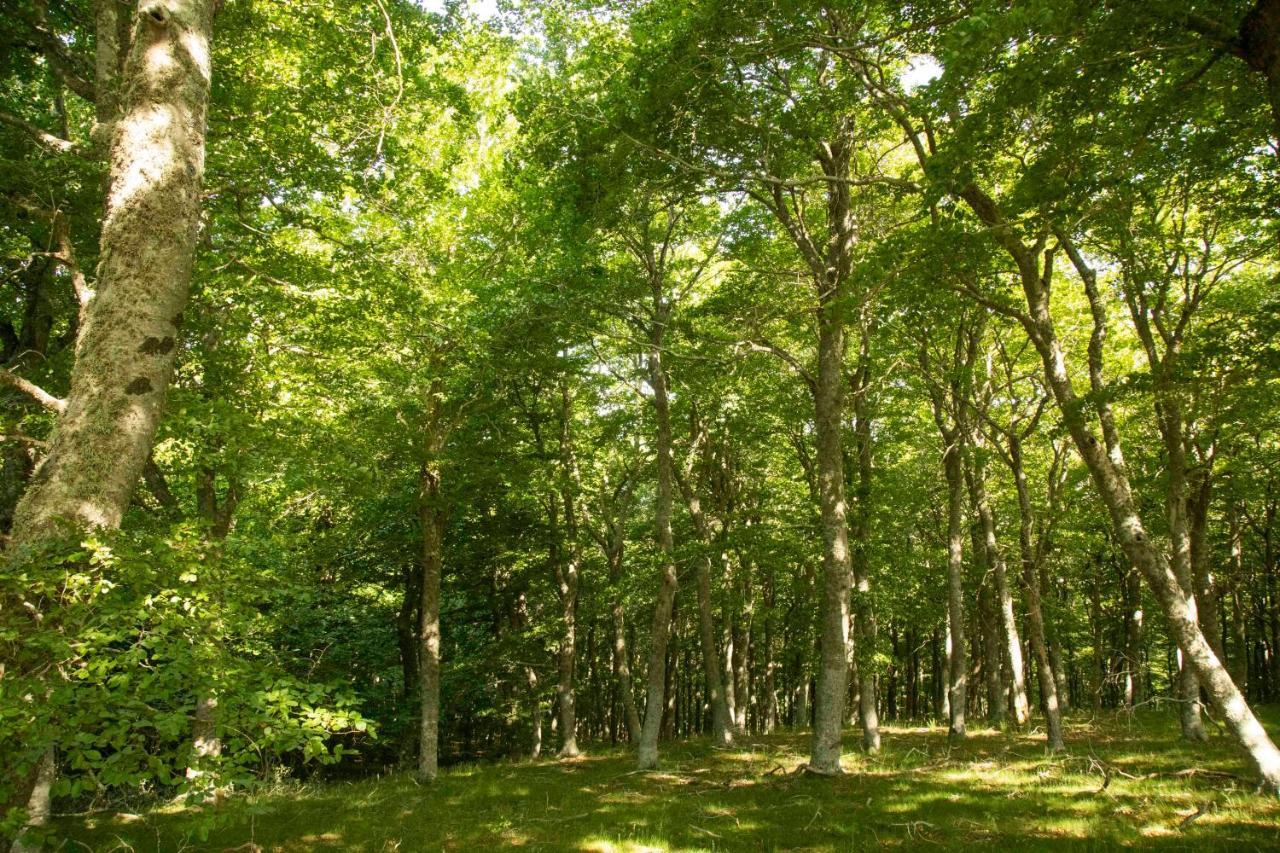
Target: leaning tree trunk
x: 1104, y: 462
x: 126, y: 349
x: 1004, y: 599
x: 647, y: 754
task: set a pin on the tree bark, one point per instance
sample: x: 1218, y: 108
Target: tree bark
x: 126, y: 348
x: 431, y: 518
x: 1105, y: 464
x: 716, y: 679
x: 863, y: 608
x: 565, y: 560
x: 1003, y: 596
x: 647, y: 753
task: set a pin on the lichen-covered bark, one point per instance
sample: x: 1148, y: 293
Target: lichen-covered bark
x: 127, y: 348
x: 127, y: 345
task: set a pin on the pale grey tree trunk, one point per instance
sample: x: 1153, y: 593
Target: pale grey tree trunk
x: 864, y: 622
x: 566, y: 561
x: 125, y: 353
x: 716, y: 679
x: 833, y: 670
x: 1105, y: 462
x: 621, y: 657
x: 957, y: 666
x: 127, y: 346
x: 1133, y: 687
x: 1003, y: 596
x: 647, y: 753
x: 1031, y: 557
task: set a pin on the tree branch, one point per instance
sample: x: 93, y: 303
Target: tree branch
x: 44, y: 137
x: 54, y: 404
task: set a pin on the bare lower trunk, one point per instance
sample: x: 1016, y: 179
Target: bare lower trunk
x: 623, y: 672
x: 431, y: 519
x: 957, y: 667
x: 716, y: 679
x: 1031, y: 587
x: 864, y: 612
x: 721, y: 721
x: 1003, y: 601
x: 989, y: 621
x: 834, y: 631
x: 1133, y: 685
x: 647, y: 753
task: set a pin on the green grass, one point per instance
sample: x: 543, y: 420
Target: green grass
x: 998, y: 790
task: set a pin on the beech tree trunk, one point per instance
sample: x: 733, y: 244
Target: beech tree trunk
x: 432, y: 520
x: 614, y: 548
x: 126, y: 350
x: 1031, y: 558
x: 127, y: 346
x: 647, y: 753
x: 716, y: 679
x: 957, y: 666
x: 1003, y: 597
x: 565, y: 559
x: 1104, y: 459
x: 836, y: 579
x: 864, y: 621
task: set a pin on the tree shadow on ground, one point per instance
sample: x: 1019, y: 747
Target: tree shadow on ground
x: 1122, y: 782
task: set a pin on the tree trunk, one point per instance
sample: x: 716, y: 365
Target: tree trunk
x: 565, y: 558
x: 431, y: 518
x: 1003, y: 597
x: 126, y: 348
x: 126, y: 351
x: 957, y: 668
x: 864, y: 610
x: 1105, y: 463
x: 833, y: 669
x: 1134, y: 693
x: 716, y: 678
x: 647, y: 753
x: 1169, y: 416
x: 989, y: 621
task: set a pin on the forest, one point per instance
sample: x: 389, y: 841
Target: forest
x: 639, y: 424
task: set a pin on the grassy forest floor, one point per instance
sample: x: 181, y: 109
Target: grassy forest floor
x: 1125, y: 780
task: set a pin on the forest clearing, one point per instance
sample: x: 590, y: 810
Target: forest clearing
x: 639, y: 424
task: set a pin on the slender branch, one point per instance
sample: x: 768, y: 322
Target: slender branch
x: 44, y: 137
x: 54, y: 404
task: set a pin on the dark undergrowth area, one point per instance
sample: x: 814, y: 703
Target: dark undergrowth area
x: 1125, y: 780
